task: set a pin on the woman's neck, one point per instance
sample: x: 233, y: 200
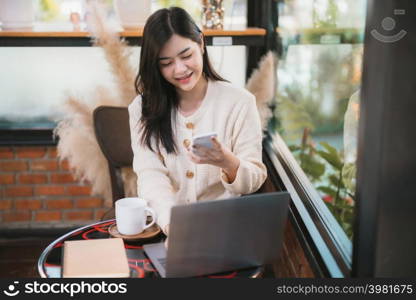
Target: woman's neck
x: 189, y: 101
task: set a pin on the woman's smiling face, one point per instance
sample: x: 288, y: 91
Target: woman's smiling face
x: 181, y: 63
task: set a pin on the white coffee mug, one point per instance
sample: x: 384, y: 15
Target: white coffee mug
x: 131, y: 215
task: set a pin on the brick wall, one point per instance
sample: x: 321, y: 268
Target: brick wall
x: 293, y: 262
x: 36, y: 190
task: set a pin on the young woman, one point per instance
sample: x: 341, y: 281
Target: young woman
x: 181, y: 96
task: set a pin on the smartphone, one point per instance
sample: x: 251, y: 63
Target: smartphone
x: 204, y: 140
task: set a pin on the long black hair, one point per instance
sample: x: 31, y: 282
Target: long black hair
x: 159, y: 98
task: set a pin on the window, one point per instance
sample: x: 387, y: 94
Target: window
x: 317, y: 107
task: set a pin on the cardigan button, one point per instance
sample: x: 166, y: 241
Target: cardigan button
x: 186, y: 143
x: 190, y: 125
x: 190, y: 174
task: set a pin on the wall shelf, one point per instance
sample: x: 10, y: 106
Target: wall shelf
x: 249, y: 37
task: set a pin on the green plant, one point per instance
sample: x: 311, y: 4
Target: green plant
x: 49, y: 9
x: 327, y: 18
x: 325, y: 168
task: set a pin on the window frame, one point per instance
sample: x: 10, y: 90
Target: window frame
x: 35, y: 136
x: 383, y: 169
x: 326, y: 241
x: 10, y: 137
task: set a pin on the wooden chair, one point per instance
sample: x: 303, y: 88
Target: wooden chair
x: 112, y: 130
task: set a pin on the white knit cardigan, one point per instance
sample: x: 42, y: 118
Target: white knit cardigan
x: 165, y: 180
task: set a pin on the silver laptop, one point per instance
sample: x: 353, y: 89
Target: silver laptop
x: 222, y: 235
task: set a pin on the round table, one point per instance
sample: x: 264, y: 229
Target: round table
x: 49, y: 263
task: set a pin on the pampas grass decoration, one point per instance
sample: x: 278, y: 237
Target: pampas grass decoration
x: 262, y: 83
x: 77, y: 142
x: 78, y: 145
x: 117, y: 53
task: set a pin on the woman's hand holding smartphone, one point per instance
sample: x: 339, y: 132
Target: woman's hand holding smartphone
x: 203, y: 140
x: 206, y: 149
